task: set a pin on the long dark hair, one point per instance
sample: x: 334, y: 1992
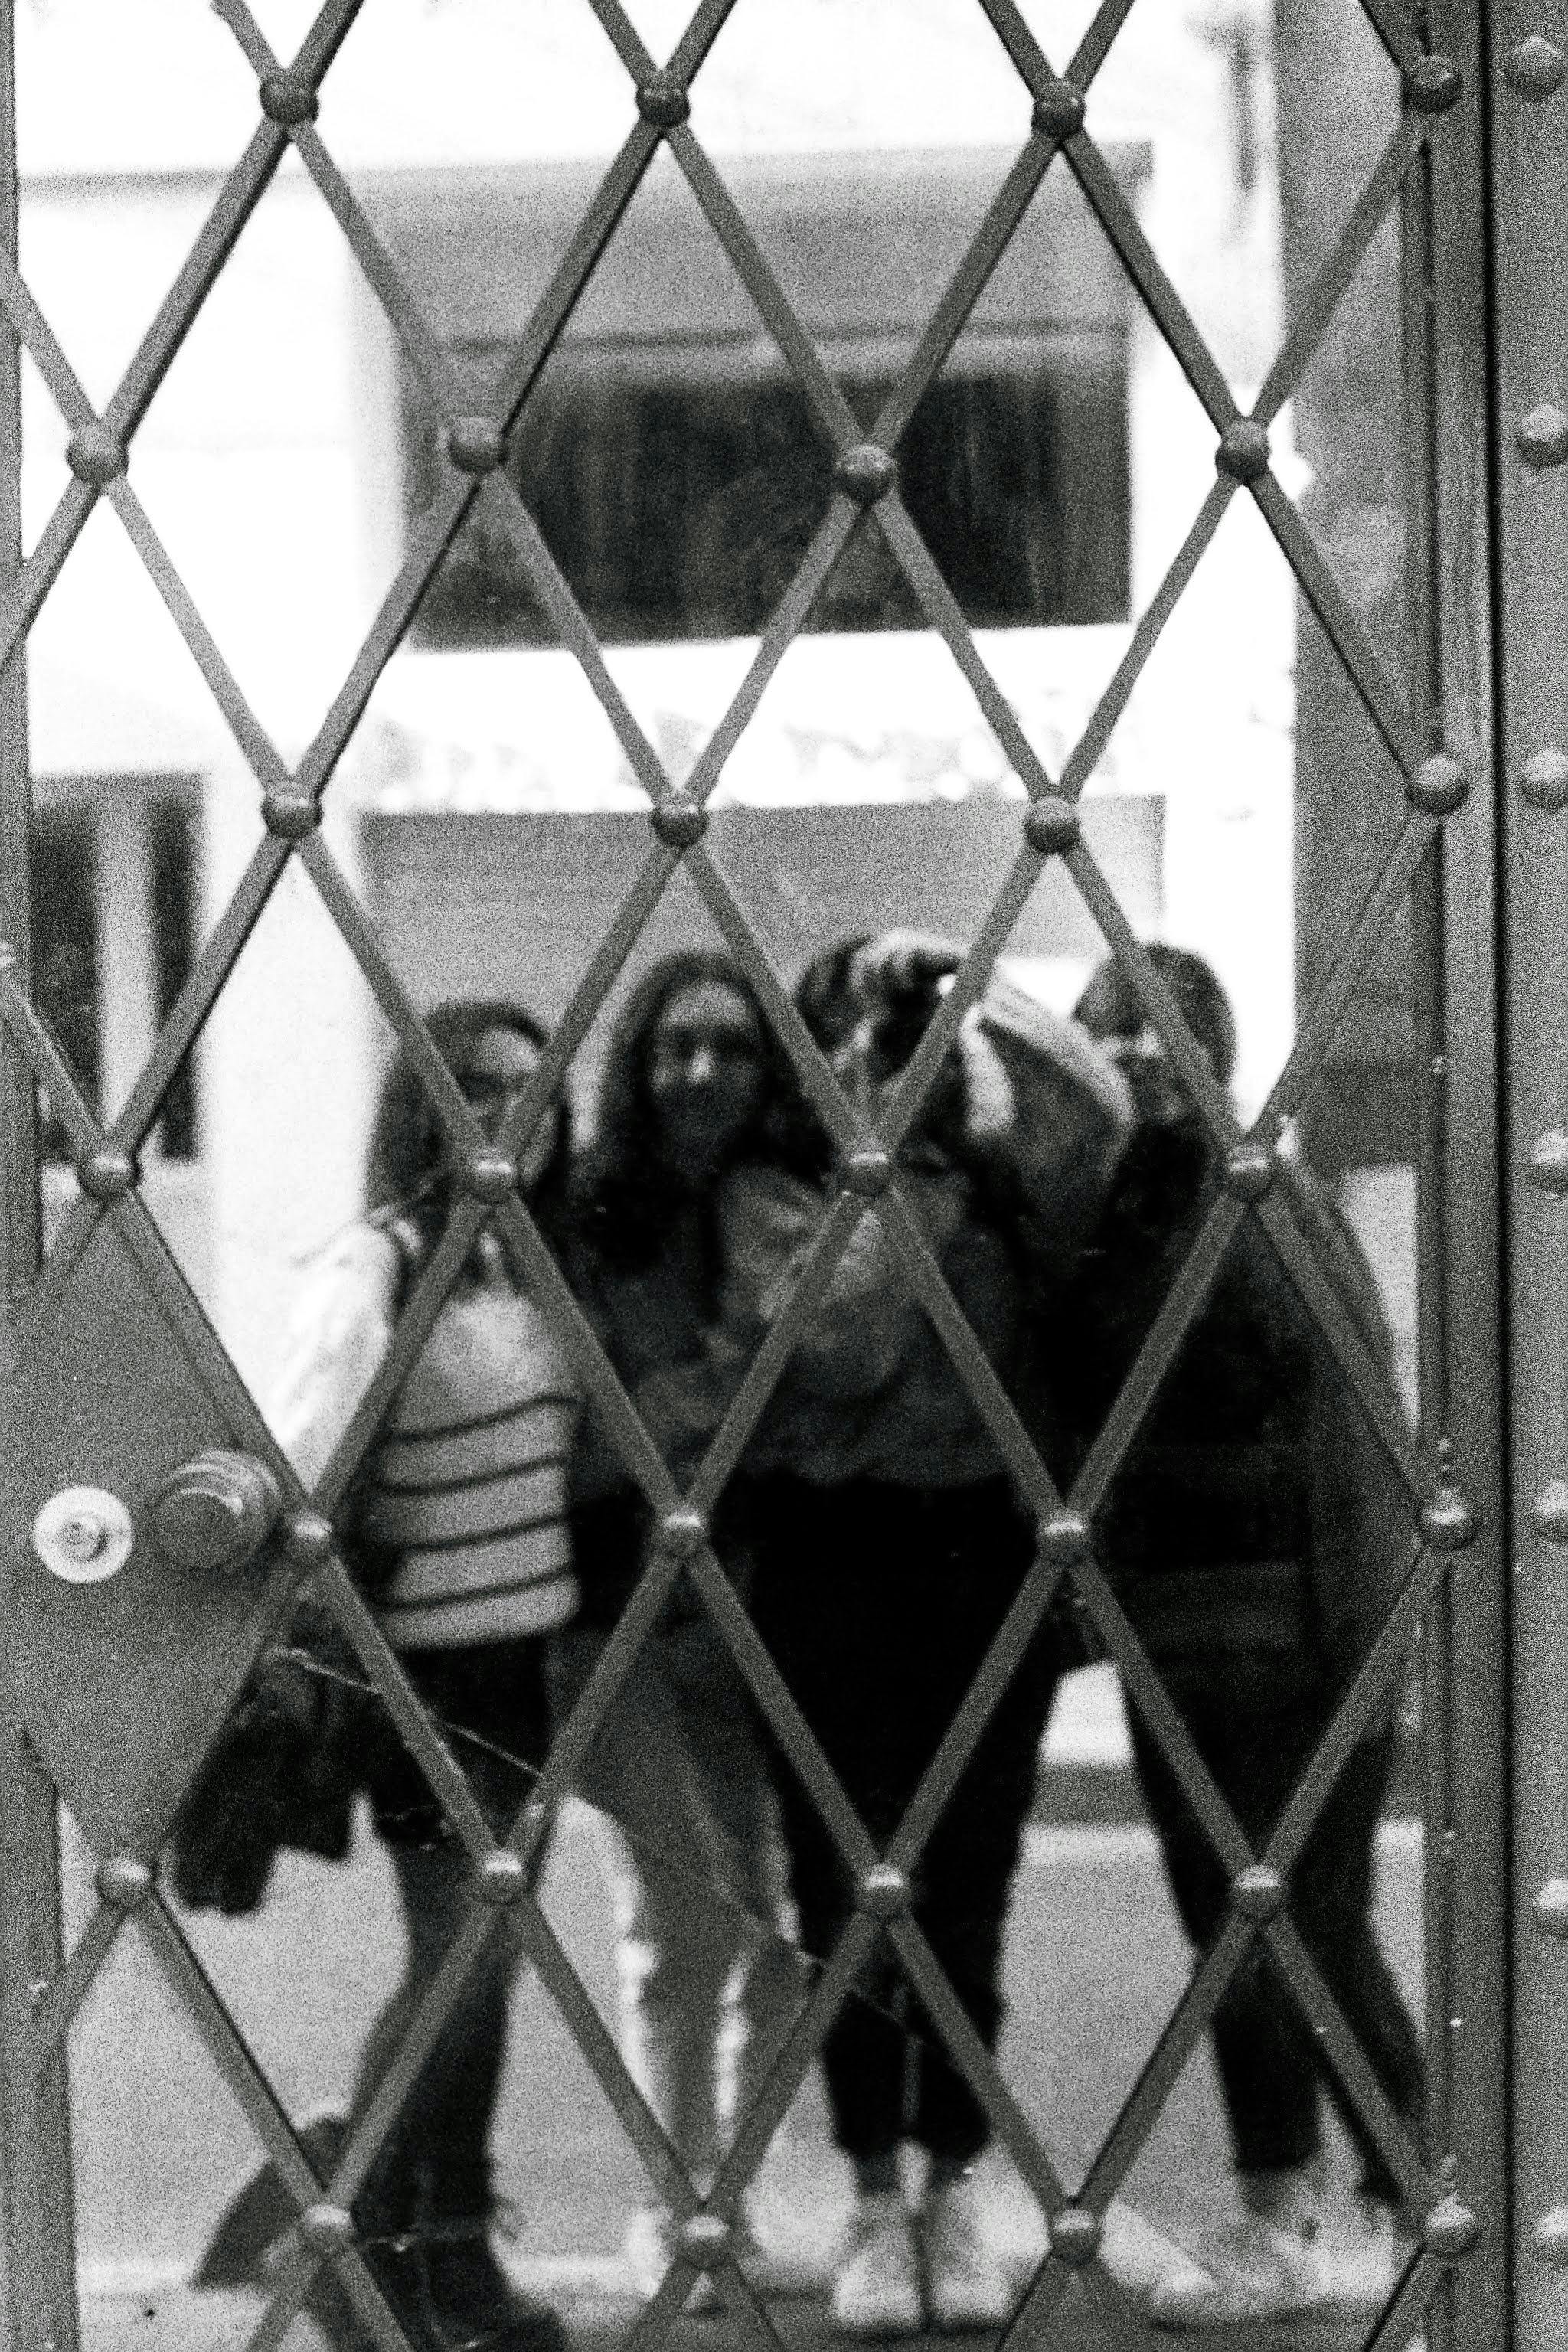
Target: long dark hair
x: 407, y: 1167
x: 628, y: 1194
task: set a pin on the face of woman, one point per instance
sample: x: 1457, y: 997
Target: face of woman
x: 497, y: 1069
x: 704, y: 1074
x: 1114, y: 1015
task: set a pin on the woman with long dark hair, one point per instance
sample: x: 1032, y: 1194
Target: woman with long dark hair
x: 457, y: 1530
x: 694, y: 1090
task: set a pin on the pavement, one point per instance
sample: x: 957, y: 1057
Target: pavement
x: 1095, y: 1960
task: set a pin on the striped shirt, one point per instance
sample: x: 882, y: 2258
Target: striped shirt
x: 465, y: 1487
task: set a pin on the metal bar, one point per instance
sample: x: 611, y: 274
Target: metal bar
x: 1086, y: 753
x: 1180, y: 1308
x: 827, y: 544
x: 1419, y: 1587
x: 572, y: 1739
x: 57, y: 2001
x: 1379, y: 906
x: 1364, y: 1374
x: 1395, y: 26
x: 1344, y: 2054
x: 1341, y: 623
x: 838, y: 424
x: 1187, y: 2022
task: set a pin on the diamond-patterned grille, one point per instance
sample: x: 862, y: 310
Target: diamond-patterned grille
x: 867, y: 499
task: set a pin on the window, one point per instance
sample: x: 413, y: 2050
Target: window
x: 678, y: 498
x: 113, y: 905
x: 668, y: 457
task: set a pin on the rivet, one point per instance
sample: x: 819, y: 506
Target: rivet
x: 1051, y: 826
x: 215, y: 1512
x: 1258, y: 1892
x: 123, y: 1881
x: 1074, y: 2235
x: 289, y: 812
x: 1535, y: 69
x: 1543, y: 781
x: 475, y: 445
x: 288, y: 98
x: 1438, y: 787
x: 865, y: 472
x: 1541, y: 436
x: 868, y: 1170
x: 106, y: 1174
x: 1449, y: 1521
x: 327, y: 2229
x: 1550, y: 1909
x: 664, y: 100
x: 1549, y: 1162
x: 1450, y: 2228
x: 308, y: 1537
x: 489, y: 1173
x: 704, y: 2240
x: 95, y: 455
x: 1433, y: 84
x: 502, y: 1878
x: 682, y: 1531
x: 1243, y: 451
x: 679, y: 821
x: 885, y: 1892
x: 1059, y: 110
x: 1249, y: 1170
x: 1550, y: 2238
x: 1064, y: 1538
x: 1549, y: 1512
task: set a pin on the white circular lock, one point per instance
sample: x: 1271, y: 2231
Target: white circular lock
x: 83, y: 1534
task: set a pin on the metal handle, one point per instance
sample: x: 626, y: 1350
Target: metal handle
x: 215, y: 1512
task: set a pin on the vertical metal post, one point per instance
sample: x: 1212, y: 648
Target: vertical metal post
x: 1459, y: 1096
x: 1529, y: 188
x: 37, y: 2310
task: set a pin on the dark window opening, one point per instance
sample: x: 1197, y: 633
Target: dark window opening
x: 63, y: 889
x: 678, y: 504
x: 74, y: 964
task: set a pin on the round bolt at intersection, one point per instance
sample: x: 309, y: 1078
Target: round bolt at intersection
x: 1549, y: 1162
x: 289, y: 814
x: 1433, y: 85
x: 664, y: 100
x: 1052, y: 826
x: 308, y: 1537
x: 288, y: 98
x: 868, y: 1170
x: 1257, y: 1893
x: 489, y: 1173
x: 885, y: 1891
x: 1249, y: 1170
x: 1064, y: 1538
x: 1549, y: 1909
x: 95, y: 455
x: 1449, y: 1521
x: 679, y: 821
x: 1451, y: 2230
x: 106, y: 1174
x: 1059, y: 110
x: 123, y: 1881
x: 683, y: 1531
x: 1438, y: 787
x: 476, y: 445
x: 867, y: 472
x: 1550, y: 2238
x: 704, y: 2240
x: 327, y: 2229
x: 502, y: 1878
x: 1075, y: 2234
x: 1243, y: 451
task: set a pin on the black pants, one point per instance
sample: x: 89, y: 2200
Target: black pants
x: 1256, y: 1731
x: 878, y: 1603
x: 489, y: 1702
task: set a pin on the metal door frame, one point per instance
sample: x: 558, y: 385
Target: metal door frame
x: 1489, y: 340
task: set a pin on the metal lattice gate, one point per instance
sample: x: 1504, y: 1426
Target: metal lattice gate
x: 116, y: 1378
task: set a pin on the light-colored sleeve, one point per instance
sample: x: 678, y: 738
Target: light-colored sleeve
x: 339, y: 1332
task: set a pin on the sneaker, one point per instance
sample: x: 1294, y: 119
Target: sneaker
x: 968, y: 2282
x: 1140, y: 2258
x: 1255, y: 2270
x: 876, y: 2287
x: 1362, y: 2265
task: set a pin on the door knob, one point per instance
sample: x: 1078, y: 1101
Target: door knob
x: 215, y: 1512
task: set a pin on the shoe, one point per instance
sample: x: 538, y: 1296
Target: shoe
x: 426, y: 2242
x: 1140, y: 2258
x: 1255, y: 2270
x: 876, y: 2287
x: 1361, y: 2266
x: 968, y: 2284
